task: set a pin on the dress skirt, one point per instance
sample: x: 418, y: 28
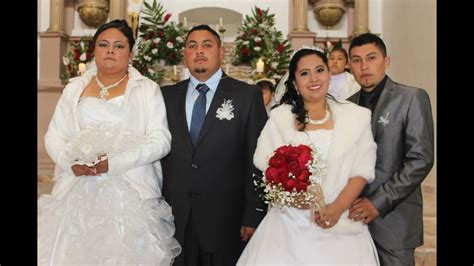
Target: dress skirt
x: 103, y: 221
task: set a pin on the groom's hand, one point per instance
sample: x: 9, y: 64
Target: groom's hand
x: 246, y: 232
x: 363, y: 209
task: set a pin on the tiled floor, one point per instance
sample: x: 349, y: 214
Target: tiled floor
x: 424, y: 255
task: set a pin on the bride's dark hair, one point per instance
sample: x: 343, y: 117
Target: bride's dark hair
x: 291, y: 96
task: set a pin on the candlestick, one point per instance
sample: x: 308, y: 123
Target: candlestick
x: 217, y: 27
x: 175, y: 71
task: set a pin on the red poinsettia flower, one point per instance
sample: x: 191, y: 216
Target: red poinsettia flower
x: 77, y: 54
x: 280, y: 48
x: 244, y: 51
x: 259, y: 12
x: 167, y: 17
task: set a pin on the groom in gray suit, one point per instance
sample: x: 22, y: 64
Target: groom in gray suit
x: 402, y: 126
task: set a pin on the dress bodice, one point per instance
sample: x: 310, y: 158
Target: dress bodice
x: 321, y: 139
x: 94, y: 111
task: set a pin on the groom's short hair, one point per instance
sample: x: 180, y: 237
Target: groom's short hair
x: 206, y: 28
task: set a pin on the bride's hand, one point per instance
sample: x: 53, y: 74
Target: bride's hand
x: 299, y: 203
x: 81, y: 169
x: 102, y: 166
x: 328, y: 217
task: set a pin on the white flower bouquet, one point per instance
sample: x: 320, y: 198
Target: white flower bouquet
x: 92, y: 143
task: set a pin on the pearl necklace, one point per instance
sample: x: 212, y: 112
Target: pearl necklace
x: 320, y: 121
x: 104, y: 90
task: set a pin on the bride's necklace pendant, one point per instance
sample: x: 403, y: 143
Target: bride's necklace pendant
x: 319, y: 121
x: 104, y: 90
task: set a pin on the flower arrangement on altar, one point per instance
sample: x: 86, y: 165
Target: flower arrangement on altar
x: 293, y: 177
x: 259, y: 39
x: 329, y: 46
x: 159, y: 40
x: 81, y: 52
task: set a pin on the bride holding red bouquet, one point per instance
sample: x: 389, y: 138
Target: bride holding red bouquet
x: 317, y: 154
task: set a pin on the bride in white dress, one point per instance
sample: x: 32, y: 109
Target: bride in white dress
x: 342, y: 134
x: 109, y: 212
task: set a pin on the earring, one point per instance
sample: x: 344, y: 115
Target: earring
x: 296, y: 88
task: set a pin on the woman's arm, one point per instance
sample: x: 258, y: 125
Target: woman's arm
x: 56, y: 137
x: 332, y: 212
x: 157, y: 134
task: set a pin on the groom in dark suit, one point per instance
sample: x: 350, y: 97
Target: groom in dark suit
x: 402, y: 126
x: 214, y: 121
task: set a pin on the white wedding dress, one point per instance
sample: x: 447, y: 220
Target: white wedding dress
x: 102, y: 220
x: 287, y: 237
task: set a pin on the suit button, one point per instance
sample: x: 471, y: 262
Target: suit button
x: 195, y: 166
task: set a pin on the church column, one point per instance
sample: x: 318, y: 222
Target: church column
x: 301, y: 16
x: 361, y: 17
x: 56, y: 21
x: 117, y: 9
x: 300, y: 34
x: 53, y: 45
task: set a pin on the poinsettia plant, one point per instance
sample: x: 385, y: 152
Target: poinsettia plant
x: 259, y: 39
x: 81, y: 51
x: 159, y: 39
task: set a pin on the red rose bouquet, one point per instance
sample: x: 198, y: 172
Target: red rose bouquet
x: 293, y: 177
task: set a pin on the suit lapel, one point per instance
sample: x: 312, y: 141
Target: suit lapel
x: 385, y: 96
x: 181, y: 114
x: 223, y: 92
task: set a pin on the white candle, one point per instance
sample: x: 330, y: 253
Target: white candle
x: 227, y: 68
x: 217, y: 27
x: 185, y: 22
x: 220, y: 21
x: 175, y: 71
x: 260, y: 66
x: 81, y: 68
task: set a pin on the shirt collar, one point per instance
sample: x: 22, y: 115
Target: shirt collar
x: 212, y: 82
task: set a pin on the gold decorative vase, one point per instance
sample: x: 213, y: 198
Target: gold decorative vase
x: 93, y: 12
x: 328, y: 12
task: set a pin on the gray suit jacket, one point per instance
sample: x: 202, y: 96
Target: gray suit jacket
x: 402, y: 125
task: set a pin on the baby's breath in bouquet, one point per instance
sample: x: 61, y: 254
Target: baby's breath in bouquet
x: 293, y: 177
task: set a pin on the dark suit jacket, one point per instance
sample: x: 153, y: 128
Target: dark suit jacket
x: 402, y: 126
x: 214, y: 181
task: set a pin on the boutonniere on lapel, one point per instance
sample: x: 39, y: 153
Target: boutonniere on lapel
x: 225, y: 111
x: 383, y: 120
